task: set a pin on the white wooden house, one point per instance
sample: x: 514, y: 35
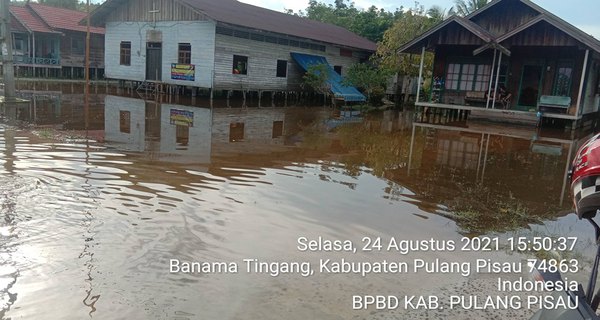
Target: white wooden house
x: 222, y: 45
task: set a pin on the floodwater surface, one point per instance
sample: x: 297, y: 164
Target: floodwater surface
x: 97, y: 204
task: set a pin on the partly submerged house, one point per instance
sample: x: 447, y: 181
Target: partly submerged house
x: 49, y: 41
x: 511, y: 60
x: 222, y: 45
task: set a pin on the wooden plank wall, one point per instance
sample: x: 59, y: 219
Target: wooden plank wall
x: 262, y: 64
x: 69, y: 58
x: 139, y: 10
x: 505, y: 16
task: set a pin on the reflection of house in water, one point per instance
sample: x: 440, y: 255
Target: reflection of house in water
x: 168, y: 132
x: 63, y: 110
x: 519, y: 162
x: 248, y: 130
x: 186, y: 134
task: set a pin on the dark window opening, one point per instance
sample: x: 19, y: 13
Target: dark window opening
x: 345, y: 52
x: 185, y: 53
x: 125, y: 53
x: 236, y: 131
x: 277, y: 129
x: 338, y: 69
x: 294, y: 43
x: 240, y: 65
x: 281, y: 68
x: 125, y: 121
x: 77, y: 46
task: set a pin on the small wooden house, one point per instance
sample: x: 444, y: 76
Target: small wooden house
x: 49, y: 41
x: 511, y: 60
x: 222, y: 45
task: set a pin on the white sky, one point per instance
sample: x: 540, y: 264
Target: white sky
x: 581, y: 13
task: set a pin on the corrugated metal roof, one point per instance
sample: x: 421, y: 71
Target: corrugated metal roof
x: 350, y: 94
x: 545, y: 15
x: 28, y: 20
x: 62, y: 19
x: 241, y: 14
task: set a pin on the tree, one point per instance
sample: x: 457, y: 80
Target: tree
x: 316, y: 77
x: 68, y: 4
x: 370, y: 23
x: 412, y: 23
x: 438, y: 13
x: 465, y: 7
x: 366, y: 77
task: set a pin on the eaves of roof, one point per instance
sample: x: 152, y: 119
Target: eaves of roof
x: 475, y: 29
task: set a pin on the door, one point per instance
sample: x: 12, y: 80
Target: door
x: 154, y: 61
x: 531, y: 80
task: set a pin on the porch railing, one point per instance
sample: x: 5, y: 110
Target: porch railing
x: 36, y: 60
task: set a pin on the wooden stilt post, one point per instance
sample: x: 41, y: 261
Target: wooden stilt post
x: 420, y: 74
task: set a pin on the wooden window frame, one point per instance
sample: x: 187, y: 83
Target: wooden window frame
x: 125, y: 53
x: 184, y: 53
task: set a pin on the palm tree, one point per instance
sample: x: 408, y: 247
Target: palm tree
x: 465, y: 7
x: 437, y: 13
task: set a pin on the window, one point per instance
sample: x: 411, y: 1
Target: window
x: 125, y: 53
x: 240, y: 65
x: 19, y: 43
x: 185, y: 53
x: 281, y: 68
x: 345, y: 52
x: 468, y: 76
x: 562, y: 82
x: 77, y: 46
x: 236, y: 131
x: 125, y: 121
x: 338, y: 69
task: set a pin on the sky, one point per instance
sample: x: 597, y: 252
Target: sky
x: 580, y: 13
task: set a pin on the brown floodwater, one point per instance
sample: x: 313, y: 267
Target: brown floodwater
x: 96, y: 203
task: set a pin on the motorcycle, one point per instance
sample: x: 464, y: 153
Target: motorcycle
x: 585, y: 187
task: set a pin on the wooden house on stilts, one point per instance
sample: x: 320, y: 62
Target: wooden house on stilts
x: 222, y: 45
x: 512, y: 61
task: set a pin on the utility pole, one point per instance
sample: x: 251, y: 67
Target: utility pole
x: 7, y: 56
x: 87, y: 71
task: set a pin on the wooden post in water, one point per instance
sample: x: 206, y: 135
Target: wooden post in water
x: 7, y: 61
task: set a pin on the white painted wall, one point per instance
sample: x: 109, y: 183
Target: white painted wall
x: 198, y: 149
x: 200, y: 34
x: 136, y: 139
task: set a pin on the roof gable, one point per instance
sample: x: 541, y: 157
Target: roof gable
x: 29, y: 20
x: 494, y: 16
x: 61, y: 18
x: 480, y: 34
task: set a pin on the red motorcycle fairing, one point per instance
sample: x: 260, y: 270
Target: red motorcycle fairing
x: 585, y: 179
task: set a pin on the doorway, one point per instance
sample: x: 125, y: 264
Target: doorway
x: 529, y: 90
x: 154, y: 61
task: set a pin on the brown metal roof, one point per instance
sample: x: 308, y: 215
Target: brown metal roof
x: 61, y: 18
x: 29, y: 20
x: 574, y: 32
x: 241, y: 14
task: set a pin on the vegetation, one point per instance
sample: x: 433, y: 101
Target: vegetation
x: 465, y: 7
x: 370, y: 23
x: 316, y: 78
x: 71, y: 4
x: 368, y: 78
